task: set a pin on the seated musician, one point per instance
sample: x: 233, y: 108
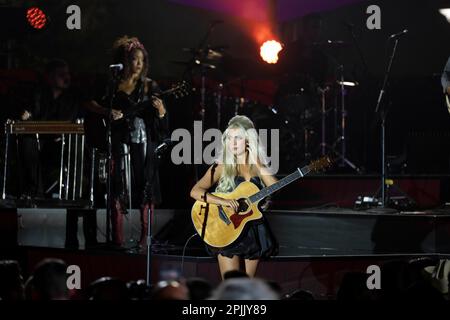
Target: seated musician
x: 52, y: 100
x: 240, y: 161
x: 140, y: 133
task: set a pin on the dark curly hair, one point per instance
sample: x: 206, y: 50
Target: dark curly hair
x: 123, y: 51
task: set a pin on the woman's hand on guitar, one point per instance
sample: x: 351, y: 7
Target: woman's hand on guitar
x: 25, y: 115
x: 116, y: 114
x: 159, y: 105
x: 232, y: 204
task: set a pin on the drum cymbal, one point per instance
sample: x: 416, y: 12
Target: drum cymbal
x: 195, y: 63
x: 210, y: 53
x: 331, y: 43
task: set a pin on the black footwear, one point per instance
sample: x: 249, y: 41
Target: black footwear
x: 137, y: 249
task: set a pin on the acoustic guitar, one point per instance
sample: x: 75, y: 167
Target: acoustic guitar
x: 220, y: 226
x: 131, y: 109
x: 95, y: 125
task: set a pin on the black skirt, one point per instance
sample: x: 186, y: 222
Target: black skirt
x: 255, y: 242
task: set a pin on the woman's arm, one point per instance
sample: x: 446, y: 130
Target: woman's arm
x: 93, y: 106
x: 268, y: 180
x: 159, y: 113
x: 200, y: 189
x: 265, y: 175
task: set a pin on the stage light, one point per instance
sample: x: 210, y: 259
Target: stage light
x: 36, y: 18
x: 445, y: 13
x: 269, y: 51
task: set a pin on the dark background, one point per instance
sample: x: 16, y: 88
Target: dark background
x: 418, y: 122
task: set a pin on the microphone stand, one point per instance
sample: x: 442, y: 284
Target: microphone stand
x: 111, y: 92
x: 383, y: 115
x: 156, y: 156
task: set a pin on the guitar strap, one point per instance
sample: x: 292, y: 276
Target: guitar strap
x: 205, y: 221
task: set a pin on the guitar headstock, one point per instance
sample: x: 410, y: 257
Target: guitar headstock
x: 178, y: 90
x: 320, y: 164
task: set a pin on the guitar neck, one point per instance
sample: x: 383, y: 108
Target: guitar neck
x: 140, y: 106
x: 267, y: 191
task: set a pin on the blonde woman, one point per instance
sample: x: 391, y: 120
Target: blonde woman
x: 242, y: 159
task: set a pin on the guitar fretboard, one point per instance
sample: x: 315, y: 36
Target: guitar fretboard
x: 267, y: 191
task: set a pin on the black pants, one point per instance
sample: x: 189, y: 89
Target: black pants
x: 139, y: 173
x: 39, y: 163
x: 30, y: 176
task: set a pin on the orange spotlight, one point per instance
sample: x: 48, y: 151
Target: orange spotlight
x: 269, y: 51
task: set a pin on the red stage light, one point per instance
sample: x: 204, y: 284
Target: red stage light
x: 269, y: 51
x: 36, y: 18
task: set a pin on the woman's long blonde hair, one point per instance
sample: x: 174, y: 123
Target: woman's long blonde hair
x: 256, y: 153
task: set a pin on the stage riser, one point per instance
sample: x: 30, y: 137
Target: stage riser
x: 311, y: 234
x: 300, y: 233
x: 343, y: 191
x: 8, y: 228
x: 49, y: 227
x: 329, y: 232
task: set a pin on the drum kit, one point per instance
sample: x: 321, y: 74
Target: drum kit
x: 310, y: 115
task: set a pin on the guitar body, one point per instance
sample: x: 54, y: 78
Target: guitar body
x: 223, y: 226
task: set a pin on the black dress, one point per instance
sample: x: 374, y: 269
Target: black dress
x: 256, y: 240
x: 144, y: 171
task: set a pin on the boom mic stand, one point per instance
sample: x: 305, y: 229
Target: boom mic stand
x: 111, y: 92
x: 383, y: 205
x: 157, y: 153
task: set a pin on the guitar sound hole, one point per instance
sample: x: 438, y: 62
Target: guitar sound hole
x: 243, y: 206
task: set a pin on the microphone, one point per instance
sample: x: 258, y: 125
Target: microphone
x: 117, y: 67
x: 163, y: 146
x: 396, y: 35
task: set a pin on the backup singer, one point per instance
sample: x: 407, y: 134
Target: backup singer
x: 140, y: 133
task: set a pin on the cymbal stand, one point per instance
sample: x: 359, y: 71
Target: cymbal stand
x: 323, y: 144
x: 219, y: 105
x: 341, y: 139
